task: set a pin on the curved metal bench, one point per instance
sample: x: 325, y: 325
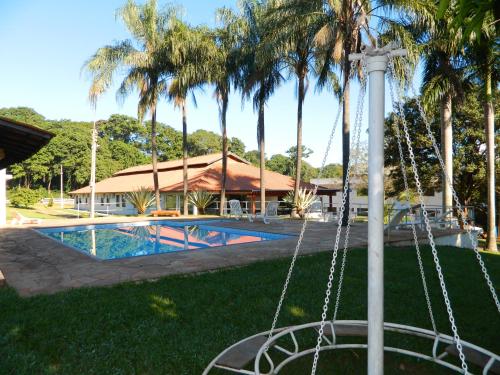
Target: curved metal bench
x: 256, y: 348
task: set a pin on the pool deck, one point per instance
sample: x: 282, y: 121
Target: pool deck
x: 35, y: 264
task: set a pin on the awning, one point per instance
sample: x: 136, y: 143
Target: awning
x: 18, y: 141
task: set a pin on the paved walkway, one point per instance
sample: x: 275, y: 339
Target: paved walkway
x: 34, y: 264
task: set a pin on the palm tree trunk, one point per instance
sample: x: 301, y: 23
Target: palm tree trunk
x: 447, y: 151
x: 298, y: 162
x: 154, y: 157
x: 262, y: 149
x: 184, y: 159
x: 224, y: 154
x: 346, y: 133
x: 491, y: 244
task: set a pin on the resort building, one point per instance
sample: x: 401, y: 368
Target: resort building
x: 204, y: 173
x: 358, y: 198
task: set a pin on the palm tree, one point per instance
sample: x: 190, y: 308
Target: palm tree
x: 261, y: 75
x: 482, y: 58
x: 343, y: 23
x: 140, y: 58
x: 224, y: 70
x: 190, y: 52
x: 443, y: 79
x: 294, y: 27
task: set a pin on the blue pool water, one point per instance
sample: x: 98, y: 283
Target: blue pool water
x: 114, y: 241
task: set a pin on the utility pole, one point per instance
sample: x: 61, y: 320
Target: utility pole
x: 376, y: 59
x: 62, y: 188
x: 92, y: 169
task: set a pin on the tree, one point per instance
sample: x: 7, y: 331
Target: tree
x: 332, y: 171
x: 123, y: 128
x: 443, y: 81
x: 223, y: 75
x: 468, y: 147
x: 342, y: 24
x: 472, y: 15
x: 190, y: 53
x: 281, y: 164
x: 482, y: 55
x: 26, y: 115
x: 126, y: 155
x: 261, y: 74
x: 294, y: 28
x: 141, y: 59
x: 236, y: 146
x: 253, y: 157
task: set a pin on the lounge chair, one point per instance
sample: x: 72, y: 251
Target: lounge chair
x: 396, y: 219
x: 270, y: 214
x: 316, y: 212
x: 236, y: 211
x: 21, y: 219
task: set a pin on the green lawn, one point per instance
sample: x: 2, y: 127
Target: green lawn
x: 176, y: 325
x: 40, y: 211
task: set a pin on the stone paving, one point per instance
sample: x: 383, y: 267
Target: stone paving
x: 35, y: 264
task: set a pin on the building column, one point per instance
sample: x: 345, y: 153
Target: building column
x: 3, y: 197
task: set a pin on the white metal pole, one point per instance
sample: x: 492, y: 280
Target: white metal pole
x: 92, y: 170
x: 376, y: 66
x: 62, y: 188
x: 376, y: 59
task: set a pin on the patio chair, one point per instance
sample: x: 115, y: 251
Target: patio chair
x: 315, y: 212
x: 270, y: 214
x: 236, y: 211
x: 395, y: 222
x: 21, y: 219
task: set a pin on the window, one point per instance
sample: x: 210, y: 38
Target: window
x: 107, y: 198
x: 117, y: 200
x: 170, y: 202
x: 124, y: 203
x: 362, y: 211
x: 102, y: 200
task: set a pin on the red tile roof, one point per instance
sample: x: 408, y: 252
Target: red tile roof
x: 204, y: 173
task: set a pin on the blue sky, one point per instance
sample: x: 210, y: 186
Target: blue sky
x: 46, y: 42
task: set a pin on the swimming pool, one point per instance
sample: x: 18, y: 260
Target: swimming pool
x: 114, y: 241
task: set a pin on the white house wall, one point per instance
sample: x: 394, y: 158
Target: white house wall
x: 109, y: 205
x: 360, y: 202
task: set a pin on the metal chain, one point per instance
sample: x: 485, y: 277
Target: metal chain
x: 357, y: 131
x: 342, y: 266
x: 430, y: 236
x: 350, y: 220
x: 304, y: 224
x: 399, y: 115
x: 458, y: 205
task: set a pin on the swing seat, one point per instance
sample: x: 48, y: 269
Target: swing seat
x: 346, y: 330
x: 242, y: 353
x: 475, y: 357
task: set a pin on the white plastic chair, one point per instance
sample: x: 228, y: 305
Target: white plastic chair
x: 316, y: 212
x: 236, y: 211
x: 271, y: 212
x: 20, y: 219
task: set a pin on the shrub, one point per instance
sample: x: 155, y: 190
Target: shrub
x: 141, y: 199
x: 304, y: 200
x: 23, y: 197
x: 201, y: 199
x: 51, y: 202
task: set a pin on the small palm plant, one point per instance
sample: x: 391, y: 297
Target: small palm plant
x: 201, y: 200
x: 141, y: 199
x: 304, y: 199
